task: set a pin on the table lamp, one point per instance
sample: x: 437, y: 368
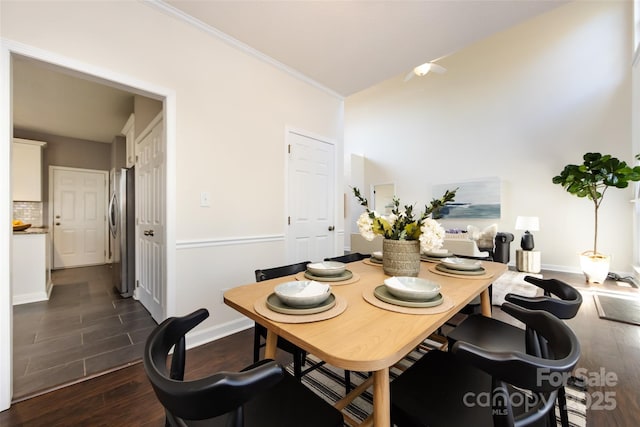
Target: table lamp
x: 527, y: 223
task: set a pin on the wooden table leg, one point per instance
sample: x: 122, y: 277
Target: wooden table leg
x: 381, y: 398
x: 271, y: 344
x: 485, y: 302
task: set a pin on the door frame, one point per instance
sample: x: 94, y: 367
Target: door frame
x: 9, y: 48
x: 107, y: 195
x: 289, y: 253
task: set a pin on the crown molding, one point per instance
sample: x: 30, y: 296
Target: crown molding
x: 214, y: 32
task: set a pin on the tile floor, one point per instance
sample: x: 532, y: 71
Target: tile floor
x: 84, y: 329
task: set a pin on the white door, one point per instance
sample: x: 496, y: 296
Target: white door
x: 311, y: 182
x: 79, y: 217
x: 150, y: 213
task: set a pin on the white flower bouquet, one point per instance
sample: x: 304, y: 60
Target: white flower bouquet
x: 402, y: 225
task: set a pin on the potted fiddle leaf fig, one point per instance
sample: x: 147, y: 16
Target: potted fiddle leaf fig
x: 592, y: 179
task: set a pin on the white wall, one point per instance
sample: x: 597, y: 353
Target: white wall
x: 231, y: 114
x: 519, y: 105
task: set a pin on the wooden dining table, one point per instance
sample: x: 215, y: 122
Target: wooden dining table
x: 365, y: 337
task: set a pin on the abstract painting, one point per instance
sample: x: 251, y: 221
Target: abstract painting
x: 474, y: 199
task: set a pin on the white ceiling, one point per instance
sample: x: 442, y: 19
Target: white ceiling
x: 345, y: 46
x: 348, y: 46
x: 49, y: 100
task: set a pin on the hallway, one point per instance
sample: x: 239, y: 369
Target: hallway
x: 83, y: 330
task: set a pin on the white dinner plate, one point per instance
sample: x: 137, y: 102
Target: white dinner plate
x: 382, y: 293
x: 465, y: 264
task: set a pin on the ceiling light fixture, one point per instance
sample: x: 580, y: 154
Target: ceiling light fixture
x: 424, y: 69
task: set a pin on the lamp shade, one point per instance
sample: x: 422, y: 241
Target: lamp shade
x: 528, y: 223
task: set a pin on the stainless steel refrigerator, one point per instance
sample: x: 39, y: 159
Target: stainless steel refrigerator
x: 122, y: 230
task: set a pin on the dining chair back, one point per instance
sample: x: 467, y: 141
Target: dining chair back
x: 472, y: 385
x: 565, y: 306
x: 285, y: 270
x: 347, y: 258
x: 255, y: 396
x: 260, y: 332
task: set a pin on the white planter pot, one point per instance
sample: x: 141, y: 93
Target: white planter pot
x: 595, y: 268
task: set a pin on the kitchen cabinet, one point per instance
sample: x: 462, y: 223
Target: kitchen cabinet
x: 30, y: 266
x: 26, y: 170
x: 129, y: 132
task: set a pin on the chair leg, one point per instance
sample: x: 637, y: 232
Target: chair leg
x: 297, y: 364
x: 347, y: 381
x: 256, y: 344
x: 551, y: 418
x: 562, y: 404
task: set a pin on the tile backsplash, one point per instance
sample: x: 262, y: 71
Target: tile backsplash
x: 29, y: 212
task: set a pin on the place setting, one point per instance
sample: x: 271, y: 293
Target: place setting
x: 435, y: 255
x: 300, y: 301
x: 375, y: 259
x: 457, y: 267
x: 412, y: 295
x: 334, y: 272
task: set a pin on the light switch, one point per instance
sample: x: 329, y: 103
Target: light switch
x: 205, y: 199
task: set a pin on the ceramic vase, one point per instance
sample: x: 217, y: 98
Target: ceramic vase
x: 401, y: 257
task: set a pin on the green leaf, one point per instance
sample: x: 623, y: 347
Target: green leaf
x: 381, y: 226
x: 412, y: 231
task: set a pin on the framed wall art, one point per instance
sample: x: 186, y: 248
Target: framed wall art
x: 478, y: 199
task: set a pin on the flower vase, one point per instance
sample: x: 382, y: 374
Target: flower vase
x: 401, y: 257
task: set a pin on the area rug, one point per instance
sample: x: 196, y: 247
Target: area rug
x: 328, y: 382
x: 619, y: 309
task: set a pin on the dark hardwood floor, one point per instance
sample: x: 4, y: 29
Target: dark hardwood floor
x: 125, y: 398
x: 85, y: 328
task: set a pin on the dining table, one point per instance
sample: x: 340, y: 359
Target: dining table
x: 366, y: 335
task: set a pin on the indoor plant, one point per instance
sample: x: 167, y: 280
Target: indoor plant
x: 592, y: 179
x: 405, y: 235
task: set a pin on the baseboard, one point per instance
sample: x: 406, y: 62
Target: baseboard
x: 28, y: 298
x: 561, y: 268
x: 216, y: 332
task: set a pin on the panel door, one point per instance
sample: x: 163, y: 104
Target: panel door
x: 150, y: 212
x: 79, y: 217
x: 311, y: 234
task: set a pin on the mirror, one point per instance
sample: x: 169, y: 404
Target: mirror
x: 382, y: 197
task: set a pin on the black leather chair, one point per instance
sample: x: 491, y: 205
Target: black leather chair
x: 496, y: 335
x: 260, y: 395
x: 474, y: 386
x: 352, y: 257
x: 260, y: 332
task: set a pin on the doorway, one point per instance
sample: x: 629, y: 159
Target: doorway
x: 10, y: 51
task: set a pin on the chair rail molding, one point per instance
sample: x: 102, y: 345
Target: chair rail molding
x: 230, y: 241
